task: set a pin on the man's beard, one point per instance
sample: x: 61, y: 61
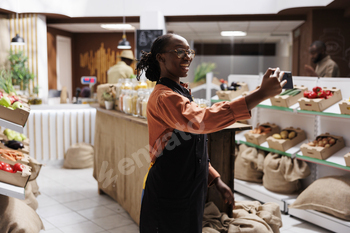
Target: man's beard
x: 318, y: 58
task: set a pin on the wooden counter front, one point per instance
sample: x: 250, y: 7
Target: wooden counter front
x: 122, y: 158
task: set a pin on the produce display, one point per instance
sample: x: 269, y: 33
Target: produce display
x: 261, y: 129
x: 224, y: 87
x: 323, y: 142
x: 317, y: 92
x: 285, y: 134
x: 13, y: 135
x: 11, y: 155
x: 10, y: 101
x: 291, y: 92
x: 11, y: 168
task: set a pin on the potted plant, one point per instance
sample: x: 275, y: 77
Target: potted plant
x: 109, y: 97
x: 20, y: 73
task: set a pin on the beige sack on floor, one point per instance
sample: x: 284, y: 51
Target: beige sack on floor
x: 35, y: 188
x: 30, y: 199
x: 18, y: 217
x: 36, y: 167
x: 282, y: 173
x: 328, y: 194
x: 249, y: 164
x: 80, y: 155
x: 248, y: 216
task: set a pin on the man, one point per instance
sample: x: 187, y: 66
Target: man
x: 325, y: 66
x: 122, y: 69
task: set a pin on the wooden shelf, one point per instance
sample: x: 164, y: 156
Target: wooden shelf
x: 12, y: 191
x: 260, y: 193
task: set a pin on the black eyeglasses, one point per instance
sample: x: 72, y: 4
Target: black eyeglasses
x: 180, y: 53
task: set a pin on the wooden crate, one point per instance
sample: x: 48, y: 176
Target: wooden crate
x: 230, y: 95
x: 16, y: 179
x: 319, y: 152
x: 344, y: 107
x: 285, y: 144
x: 320, y: 104
x: 287, y: 100
x: 17, y: 116
x: 257, y: 139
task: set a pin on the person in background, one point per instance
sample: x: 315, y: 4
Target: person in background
x: 325, y: 66
x: 122, y: 69
x: 176, y: 184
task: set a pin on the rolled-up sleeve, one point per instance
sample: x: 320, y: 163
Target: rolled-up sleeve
x: 179, y: 113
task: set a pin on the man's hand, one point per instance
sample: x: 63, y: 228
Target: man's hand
x: 225, y: 191
x: 310, y: 71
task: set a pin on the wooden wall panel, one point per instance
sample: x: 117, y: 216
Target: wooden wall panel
x: 94, y: 53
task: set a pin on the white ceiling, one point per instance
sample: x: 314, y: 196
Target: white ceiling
x: 209, y: 32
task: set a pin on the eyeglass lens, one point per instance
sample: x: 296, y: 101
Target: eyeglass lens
x: 181, y: 53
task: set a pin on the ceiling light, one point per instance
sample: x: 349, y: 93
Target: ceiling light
x: 123, y: 43
x: 112, y: 26
x: 17, y: 40
x: 233, y: 33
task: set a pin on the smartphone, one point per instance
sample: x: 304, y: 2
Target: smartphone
x: 288, y: 76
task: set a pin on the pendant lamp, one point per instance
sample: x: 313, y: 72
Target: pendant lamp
x: 123, y: 43
x: 17, y: 40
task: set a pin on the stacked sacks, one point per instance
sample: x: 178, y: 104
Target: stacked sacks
x: 282, y: 173
x: 248, y: 216
x: 249, y: 164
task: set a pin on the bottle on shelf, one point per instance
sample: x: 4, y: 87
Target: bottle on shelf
x: 144, y: 104
x: 134, y: 97
x: 120, y: 104
x: 141, y: 96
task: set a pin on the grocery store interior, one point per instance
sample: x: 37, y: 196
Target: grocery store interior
x: 74, y: 145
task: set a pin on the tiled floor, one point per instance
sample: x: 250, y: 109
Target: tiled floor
x: 69, y: 202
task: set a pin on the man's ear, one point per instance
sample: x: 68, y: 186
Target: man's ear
x: 160, y: 58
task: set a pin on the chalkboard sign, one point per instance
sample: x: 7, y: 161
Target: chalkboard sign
x: 144, y: 40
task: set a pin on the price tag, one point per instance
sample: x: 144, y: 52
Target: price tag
x: 88, y: 80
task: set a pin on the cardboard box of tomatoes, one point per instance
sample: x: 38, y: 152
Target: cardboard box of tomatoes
x: 288, y: 97
x: 261, y: 132
x: 17, y: 174
x: 319, y: 99
x: 292, y: 137
x: 324, y: 146
x: 231, y: 92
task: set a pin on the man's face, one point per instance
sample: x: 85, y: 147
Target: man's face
x: 316, y: 54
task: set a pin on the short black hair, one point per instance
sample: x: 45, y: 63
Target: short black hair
x: 319, y: 45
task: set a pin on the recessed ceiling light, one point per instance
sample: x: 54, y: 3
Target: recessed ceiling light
x: 117, y: 26
x: 233, y: 33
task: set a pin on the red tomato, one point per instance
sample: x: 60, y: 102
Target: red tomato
x: 317, y: 89
x: 306, y: 94
x: 312, y: 95
x: 0, y: 166
x: 8, y: 169
x: 18, y: 167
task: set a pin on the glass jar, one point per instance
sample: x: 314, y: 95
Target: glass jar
x: 141, y: 96
x: 134, y: 97
x: 127, y: 84
x: 127, y: 102
x: 134, y: 84
x: 120, y: 101
x: 144, y: 105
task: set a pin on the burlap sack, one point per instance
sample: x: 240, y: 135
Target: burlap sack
x: 100, y: 89
x: 79, y: 155
x: 35, y: 188
x: 282, y: 173
x: 30, y: 199
x: 36, y: 167
x: 248, y: 216
x: 330, y: 195
x: 18, y: 217
x: 249, y: 164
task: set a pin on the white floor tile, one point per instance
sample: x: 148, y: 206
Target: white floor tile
x: 47, y: 225
x: 45, y: 200
x: 307, y: 228
x: 133, y: 228
x: 68, y: 197
x: 67, y: 219
x: 103, y: 200
x: 53, y: 210
x: 96, y: 212
x: 83, y: 227
x: 51, y: 231
x: 116, y: 208
x: 112, y: 221
x: 81, y: 204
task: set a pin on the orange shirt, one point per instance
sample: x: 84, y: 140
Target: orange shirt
x: 168, y: 110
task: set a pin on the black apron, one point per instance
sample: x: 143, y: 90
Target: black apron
x: 176, y: 186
